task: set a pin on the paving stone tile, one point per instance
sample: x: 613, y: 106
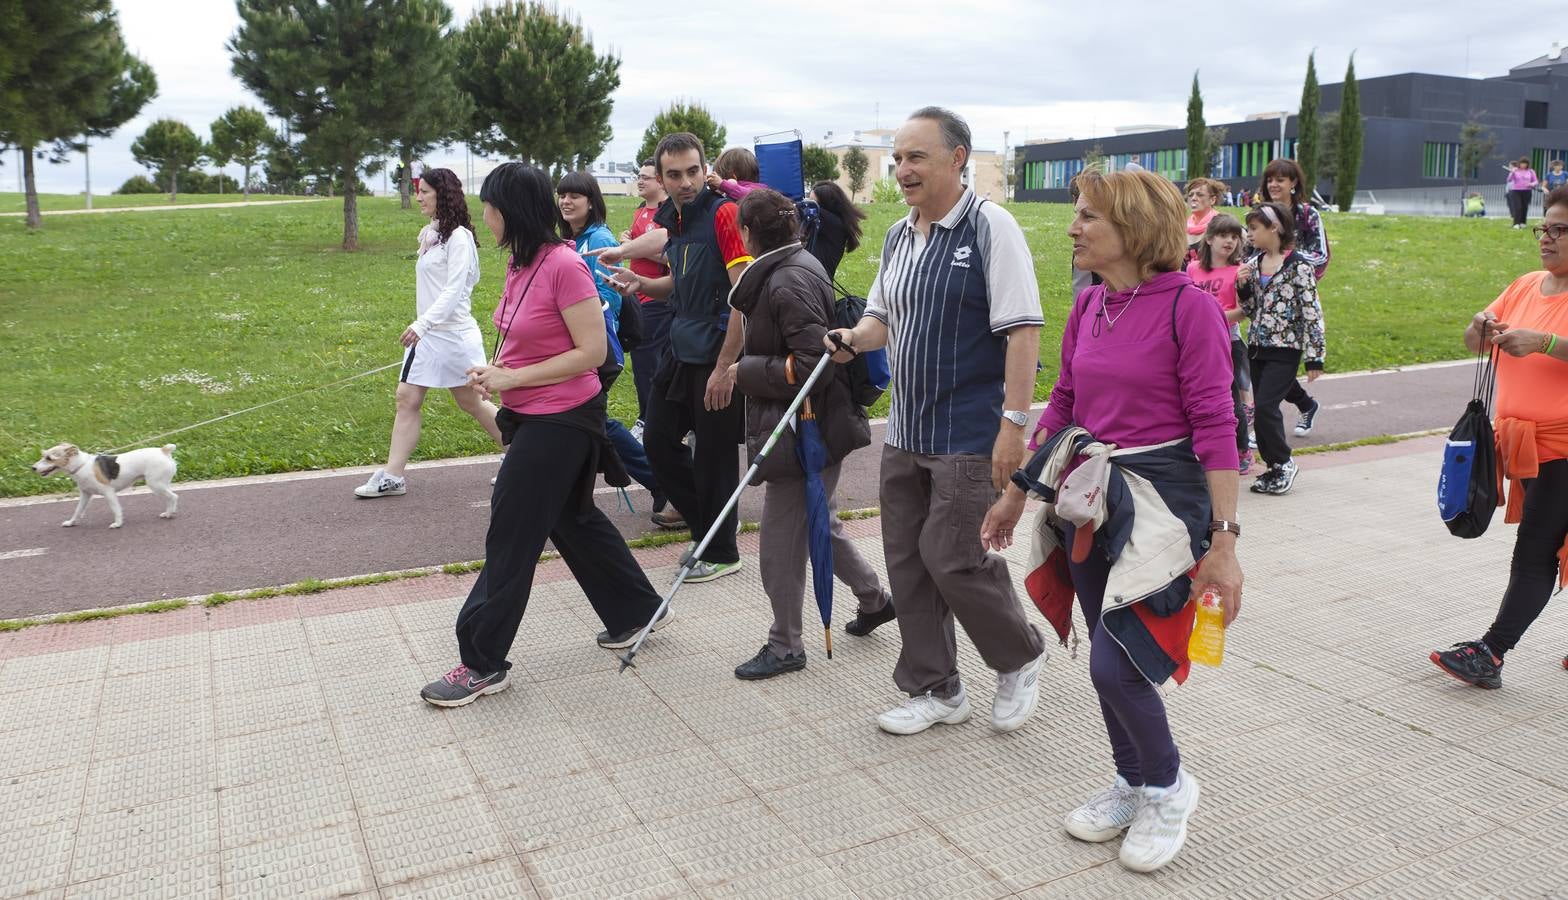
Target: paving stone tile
x: 776, y: 759
x: 428, y: 840
x: 393, y: 783
x: 953, y: 782
x: 34, y: 859
x: 552, y: 810
x: 715, y: 846
x: 41, y: 798
x: 148, y: 778
x: 913, y: 864
x: 805, y: 880
x: 1023, y: 843
x: 46, y: 746
x: 625, y: 864
x: 671, y: 784
x: 370, y: 694
x: 272, y: 670
x: 253, y: 640
x: 501, y: 878
x: 430, y: 615
x: 113, y: 842
x: 837, y: 812
x: 187, y: 879
x: 128, y: 732
x: 261, y: 755
x: 326, y: 862
x: 393, y: 729
x: 278, y: 807
x: 268, y: 709
x: 349, y: 627
x: 1108, y: 882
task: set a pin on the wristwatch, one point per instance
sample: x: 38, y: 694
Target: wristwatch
x: 1017, y: 417
x: 1223, y: 525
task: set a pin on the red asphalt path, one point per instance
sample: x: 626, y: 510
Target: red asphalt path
x: 256, y: 532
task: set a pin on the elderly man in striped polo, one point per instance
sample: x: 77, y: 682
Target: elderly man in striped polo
x: 957, y: 302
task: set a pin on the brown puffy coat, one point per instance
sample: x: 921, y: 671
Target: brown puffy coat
x: 788, y: 303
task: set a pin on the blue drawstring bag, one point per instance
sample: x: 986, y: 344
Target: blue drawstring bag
x: 1469, y: 486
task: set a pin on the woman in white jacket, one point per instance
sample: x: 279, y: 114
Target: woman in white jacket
x: 443, y: 343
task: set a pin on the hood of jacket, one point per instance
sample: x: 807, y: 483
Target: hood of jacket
x: 748, y: 288
x: 1161, y: 283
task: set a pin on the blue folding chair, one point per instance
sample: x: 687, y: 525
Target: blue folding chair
x: 780, y: 164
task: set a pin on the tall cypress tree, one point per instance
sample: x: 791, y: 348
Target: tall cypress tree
x: 1307, y: 127
x: 1198, y: 163
x: 1349, y: 167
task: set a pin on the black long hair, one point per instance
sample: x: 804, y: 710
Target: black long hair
x: 522, y: 195
x: 451, y: 205
x: 588, y: 186
x: 832, y: 198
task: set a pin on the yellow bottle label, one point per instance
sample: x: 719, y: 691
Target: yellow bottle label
x: 1207, y: 645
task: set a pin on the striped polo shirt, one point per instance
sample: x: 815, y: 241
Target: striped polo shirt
x: 948, y: 301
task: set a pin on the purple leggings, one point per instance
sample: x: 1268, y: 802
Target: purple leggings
x: 1134, y: 714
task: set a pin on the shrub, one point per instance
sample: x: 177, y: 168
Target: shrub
x: 139, y: 184
x: 886, y: 190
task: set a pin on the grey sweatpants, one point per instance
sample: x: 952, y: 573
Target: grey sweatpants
x: 932, y: 507
x: 784, y: 559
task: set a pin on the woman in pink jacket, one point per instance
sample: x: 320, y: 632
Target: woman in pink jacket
x: 1521, y: 184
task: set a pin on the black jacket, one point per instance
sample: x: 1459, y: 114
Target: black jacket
x: 788, y: 304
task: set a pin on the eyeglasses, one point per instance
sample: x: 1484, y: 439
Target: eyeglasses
x: 1555, y: 232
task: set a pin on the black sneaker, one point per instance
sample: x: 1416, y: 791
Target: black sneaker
x: 863, y: 624
x: 1304, y: 421
x: 1264, y: 483
x: 1472, y: 663
x: 1284, y: 477
x: 766, y: 665
x: 629, y: 637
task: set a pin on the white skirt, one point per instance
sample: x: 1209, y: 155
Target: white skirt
x: 442, y: 359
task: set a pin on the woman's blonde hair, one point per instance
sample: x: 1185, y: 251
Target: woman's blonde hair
x: 1147, y: 211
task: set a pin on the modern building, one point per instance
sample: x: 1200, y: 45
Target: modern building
x: 983, y: 171
x: 1410, y: 148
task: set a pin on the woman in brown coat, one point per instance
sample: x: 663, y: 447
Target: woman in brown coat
x: 788, y: 303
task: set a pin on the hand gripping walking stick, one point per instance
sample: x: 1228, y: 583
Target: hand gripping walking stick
x: 689, y: 559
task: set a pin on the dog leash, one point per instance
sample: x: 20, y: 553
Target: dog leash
x: 252, y: 409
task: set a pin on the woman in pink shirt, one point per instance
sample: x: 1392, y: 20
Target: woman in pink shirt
x: 1203, y: 194
x: 1521, y: 184
x: 551, y: 342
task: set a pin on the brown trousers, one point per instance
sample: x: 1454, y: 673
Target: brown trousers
x: 784, y: 560
x: 932, y: 507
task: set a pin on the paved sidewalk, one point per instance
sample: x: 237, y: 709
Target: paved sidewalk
x: 278, y: 747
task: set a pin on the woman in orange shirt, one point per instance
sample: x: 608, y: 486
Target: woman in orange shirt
x: 1529, y: 323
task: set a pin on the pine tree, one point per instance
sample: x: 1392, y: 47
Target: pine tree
x: 541, y: 93
x: 688, y: 116
x: 1349, y: 167
x: 435, y: 111
x: 243, y: 135
x: 168, y: 148
x: 64, y: 75
x: 1307, y: 128
x: 1198, y: 162
x: 855, y: 165
x: 818, y: 164
x: 326, y: 68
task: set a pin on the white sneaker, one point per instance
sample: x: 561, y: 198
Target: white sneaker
x: 1106, y: 814
x: 1016, y: 695
x: 637, y: 430
x: 921, y: 712
x: 382, y: 485
x: 1160, y: 827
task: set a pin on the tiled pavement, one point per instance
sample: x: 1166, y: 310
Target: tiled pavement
x: 278, y: 748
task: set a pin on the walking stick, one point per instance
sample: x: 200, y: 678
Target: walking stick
x: 689, y: 559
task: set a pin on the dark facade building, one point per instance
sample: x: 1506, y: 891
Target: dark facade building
x: 1410, y: 151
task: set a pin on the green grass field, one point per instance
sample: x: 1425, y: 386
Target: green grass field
x: 115, y: 328
x: 14, y: 202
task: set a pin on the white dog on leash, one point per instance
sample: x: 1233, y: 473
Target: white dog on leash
x: 106, y: 475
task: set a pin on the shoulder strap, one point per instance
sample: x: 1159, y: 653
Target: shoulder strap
x: 1173, y: 315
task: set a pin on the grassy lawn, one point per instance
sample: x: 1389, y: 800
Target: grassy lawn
x: 14, y: 202
x: 116, y: 328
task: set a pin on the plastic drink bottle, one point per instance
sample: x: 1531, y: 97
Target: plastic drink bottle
x: 1207, y: 645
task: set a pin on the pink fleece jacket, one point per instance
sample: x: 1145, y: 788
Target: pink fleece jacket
x: 1131, y: 385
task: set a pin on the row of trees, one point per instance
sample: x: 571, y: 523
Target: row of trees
x: 1339, y: 132
x: 172, y: 151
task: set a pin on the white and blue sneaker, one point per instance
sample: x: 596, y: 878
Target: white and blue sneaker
x: 382, y: 485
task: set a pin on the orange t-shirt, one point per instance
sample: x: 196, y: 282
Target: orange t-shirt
x: 1533, y: 387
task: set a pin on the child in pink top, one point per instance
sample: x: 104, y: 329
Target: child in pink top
x: 1214, y: 271
x: 735, y: 173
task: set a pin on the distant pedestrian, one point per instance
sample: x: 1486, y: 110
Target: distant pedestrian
x: 443, y: 342
x: 735, y: 173
x: 1529, y: 323
x: 957, y: 302
x: 1475, y: 206
x: 1284, y: 183
x: 1279, y: 294
x: 1521, y: 184
x: 838, y: 228
x: 1214, y: 272
x: 1202, y: 196
x: 1556, y: 177
x: 788, y: 305
x: 552, y: 341
x: 1146, y: 370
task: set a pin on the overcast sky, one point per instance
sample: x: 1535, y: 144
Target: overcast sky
x: 1036, y: 69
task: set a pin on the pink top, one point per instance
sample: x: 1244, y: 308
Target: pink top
x: 1196, y: 225
x: 1132, y: 386
x: 735, y: 190
x: 533, y: 329
x: 1521, y: 179
x: 1221, y: 282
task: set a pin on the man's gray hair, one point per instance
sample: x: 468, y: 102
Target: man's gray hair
x: 955, y: 131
